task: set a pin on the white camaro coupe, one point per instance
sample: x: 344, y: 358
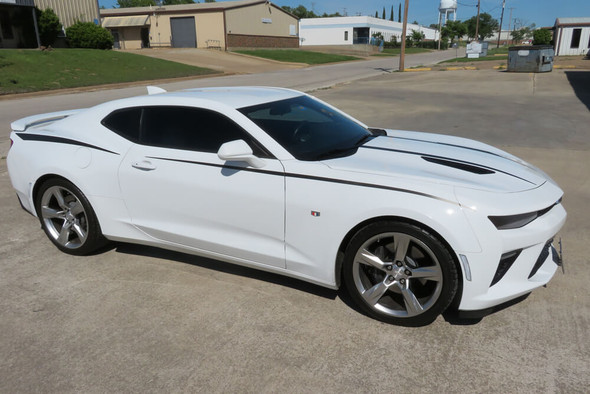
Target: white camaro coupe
x: 409, y: 223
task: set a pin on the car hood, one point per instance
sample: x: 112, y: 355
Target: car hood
x: 441, y: 159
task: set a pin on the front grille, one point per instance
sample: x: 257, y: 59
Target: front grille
x: 504, y: 265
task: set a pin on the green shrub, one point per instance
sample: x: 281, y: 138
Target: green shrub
x: 542, y: 37
x: 49, y: 26
x: 89, y: 35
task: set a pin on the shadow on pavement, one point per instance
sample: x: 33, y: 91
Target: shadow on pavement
x: 580, y: 81
x: 467, y: 318
x: 451, y: 315
x: 228, y: 268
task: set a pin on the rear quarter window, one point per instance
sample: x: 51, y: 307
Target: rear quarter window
x: 125, y: 122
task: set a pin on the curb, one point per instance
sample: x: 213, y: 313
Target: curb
x: 558, y: 66
x: 419, y: 69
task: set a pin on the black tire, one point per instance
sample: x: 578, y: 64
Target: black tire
x: 399, y: 273
x: 67, y: 217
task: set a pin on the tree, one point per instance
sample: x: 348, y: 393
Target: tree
x: 135, y: 3
x: 89, y: 35
x: 383, y: 13
x: 487, y: 26
x: 49, y: 26
x: 542, y: 37
x: 524, y: 32
x: 391, y: 14
x: 173, y: 2
x: 399, y: 13
x: 326, y: 15
x: 300, y: 12
x: 417, y: 36
x: 453, y: 29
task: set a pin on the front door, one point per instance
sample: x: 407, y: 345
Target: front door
x: 178, y: 191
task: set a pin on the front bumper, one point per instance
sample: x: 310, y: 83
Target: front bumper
x: 512, y: 262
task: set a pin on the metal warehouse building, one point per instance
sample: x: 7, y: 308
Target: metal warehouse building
x: 70, y: 12
x: 230, y: 24
x: 572, y: 36
x: 350, y: 30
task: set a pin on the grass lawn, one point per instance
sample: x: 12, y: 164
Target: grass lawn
x: 396, y: 51
x: 297, y: 56
x: 29, y: 70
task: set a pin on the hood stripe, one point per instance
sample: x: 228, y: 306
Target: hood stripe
x: 426, y: 155
x: 59, y: 140
x: 447, y: 144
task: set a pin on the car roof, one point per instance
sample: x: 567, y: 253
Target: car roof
x: 235, y: 97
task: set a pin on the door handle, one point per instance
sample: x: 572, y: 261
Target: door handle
x: 144, y: 165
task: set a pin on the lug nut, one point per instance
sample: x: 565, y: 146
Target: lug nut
x: 402, y: 281
x: 408, y: 272
x: 399, y: 263
x: 390, y: 278
x: 389, y: 268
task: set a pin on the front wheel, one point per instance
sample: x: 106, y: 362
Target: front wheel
x: 67, y: 217
x: 399, y: 273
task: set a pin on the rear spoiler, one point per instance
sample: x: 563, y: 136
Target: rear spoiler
x: 29, y: 121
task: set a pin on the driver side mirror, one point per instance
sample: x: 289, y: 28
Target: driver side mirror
x: 239, y: 150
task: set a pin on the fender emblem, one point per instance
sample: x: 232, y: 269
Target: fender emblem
x: 315, y: 213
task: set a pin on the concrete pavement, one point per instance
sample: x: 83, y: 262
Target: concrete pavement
x: 137, y: 319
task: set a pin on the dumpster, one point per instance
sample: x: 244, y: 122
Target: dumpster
x: 532, y: 58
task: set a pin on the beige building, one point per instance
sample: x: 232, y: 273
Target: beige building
x: 72, y: 11
x: 228, y: 24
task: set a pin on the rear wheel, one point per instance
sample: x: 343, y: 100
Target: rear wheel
x: 399, y: 273
x: 67, y: 217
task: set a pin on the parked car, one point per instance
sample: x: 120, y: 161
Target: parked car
x: 408, y: 223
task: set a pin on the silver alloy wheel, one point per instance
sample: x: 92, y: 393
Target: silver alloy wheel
x: 397, y: 274
x: 64, y: 217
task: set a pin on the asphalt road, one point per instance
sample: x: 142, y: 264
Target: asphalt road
x: 136, y: 319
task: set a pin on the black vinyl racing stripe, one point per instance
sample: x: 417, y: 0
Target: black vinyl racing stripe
x: 446, y: 144
x: 446, y: 158
x: 60, y: 140
x: 309, y: 177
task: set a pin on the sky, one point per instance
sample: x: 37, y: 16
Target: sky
x: 540, y: 12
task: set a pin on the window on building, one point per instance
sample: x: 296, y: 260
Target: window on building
x: 346, y: 36
x: 6, y: 25
x: 576, y: 35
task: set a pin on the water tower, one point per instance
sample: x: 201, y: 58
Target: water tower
x: 447, y: 7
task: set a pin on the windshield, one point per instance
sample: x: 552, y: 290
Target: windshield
x: 308, y: 129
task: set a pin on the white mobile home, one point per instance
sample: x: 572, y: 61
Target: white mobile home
x: 571, y: 36
x: 349, y: 30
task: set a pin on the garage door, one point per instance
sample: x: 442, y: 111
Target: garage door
x: 184, y: 34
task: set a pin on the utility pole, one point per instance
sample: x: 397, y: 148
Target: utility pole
x: 439, y: 29
x: 402, y: 57
x: 477, y: 21
x: 510, y: 20
x: 501, y: 20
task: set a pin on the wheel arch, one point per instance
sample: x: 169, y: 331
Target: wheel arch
x: 37, y: 185
x: 367, y: 222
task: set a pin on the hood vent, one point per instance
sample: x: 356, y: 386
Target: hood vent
x: 459, y: 165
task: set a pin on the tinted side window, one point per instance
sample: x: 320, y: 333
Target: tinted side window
x: 124, y: 122
x: 189, y: 128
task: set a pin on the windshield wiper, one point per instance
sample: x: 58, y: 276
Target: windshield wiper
x: 336, y: 152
